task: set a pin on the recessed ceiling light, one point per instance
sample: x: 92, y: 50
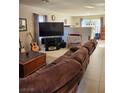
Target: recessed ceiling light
x: 89, y: 7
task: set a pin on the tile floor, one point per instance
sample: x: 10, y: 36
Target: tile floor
x: 93, y: 80
x: 52, y: 55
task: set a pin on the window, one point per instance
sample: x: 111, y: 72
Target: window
x: 94, y: 23
x: 42, y: 18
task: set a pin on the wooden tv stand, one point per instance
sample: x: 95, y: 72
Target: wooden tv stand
x: 28, y: 63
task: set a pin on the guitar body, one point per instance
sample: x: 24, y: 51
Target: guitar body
x: 34, y: 47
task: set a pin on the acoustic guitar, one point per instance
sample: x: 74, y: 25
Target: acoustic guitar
x: 34, y: 46
x: 21, y: 49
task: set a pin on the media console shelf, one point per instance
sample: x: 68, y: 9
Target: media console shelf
x: 51, y: 43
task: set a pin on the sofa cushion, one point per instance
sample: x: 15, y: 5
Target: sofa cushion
x: 61, y: 58
x: 94, y: 41
x: 90, y: 46
x: 74, y: 49
x: 66, y: 56
x: 69, y: 53
x: 67, y: 88
x: 52, y: 78
x: 80, y: 55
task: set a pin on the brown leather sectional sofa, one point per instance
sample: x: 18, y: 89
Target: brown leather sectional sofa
x: 61, y: 76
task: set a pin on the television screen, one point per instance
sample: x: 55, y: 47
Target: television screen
x: 51, y: 29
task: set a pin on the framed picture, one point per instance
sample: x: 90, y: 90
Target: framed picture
x: 22, y: 24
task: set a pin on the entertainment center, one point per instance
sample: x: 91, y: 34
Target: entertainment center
x: 51, y: 35
x: 51, y: 43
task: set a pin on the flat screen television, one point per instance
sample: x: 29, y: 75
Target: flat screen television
x: 51, y: 29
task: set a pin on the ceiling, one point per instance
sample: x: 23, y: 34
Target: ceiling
x: 70, y: 7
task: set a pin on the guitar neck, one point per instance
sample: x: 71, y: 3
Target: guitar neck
x: 31, y: 37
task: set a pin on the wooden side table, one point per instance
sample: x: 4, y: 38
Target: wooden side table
x: 28, y: 63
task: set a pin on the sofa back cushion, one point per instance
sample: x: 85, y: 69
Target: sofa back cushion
x: 74, y: 49
x: 90, y: 46
x: 94, y: 41
x: 66, y: 56
x: 80, y: 55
